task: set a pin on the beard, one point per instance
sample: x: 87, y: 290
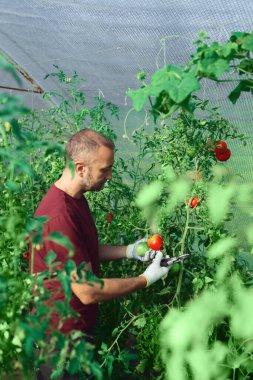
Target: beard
x: 89, y: 185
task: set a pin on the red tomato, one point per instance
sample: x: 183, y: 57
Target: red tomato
x: 155, y: 242
x: 194, y: 202
x: 223, y: 155
x: 221, y: 145
x: 25, y: 255
x: 110, y: 217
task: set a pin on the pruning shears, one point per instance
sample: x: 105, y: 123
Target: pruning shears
x: 165, y: 262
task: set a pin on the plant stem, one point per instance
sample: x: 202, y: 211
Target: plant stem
x: 121, y: 332
x: 179, y: 284
x: 124, y: 124
x: 32, y: 260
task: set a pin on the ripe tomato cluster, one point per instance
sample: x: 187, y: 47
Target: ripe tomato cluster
x: 222, y: 152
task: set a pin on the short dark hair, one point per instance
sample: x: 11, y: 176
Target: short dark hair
x: 86, y: 141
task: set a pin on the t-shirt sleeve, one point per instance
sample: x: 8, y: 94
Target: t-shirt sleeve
x: 67, y: 226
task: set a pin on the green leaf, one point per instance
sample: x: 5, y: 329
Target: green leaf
x: 218, y: 201
x: 241, y: 311
x: 71, y: 166
x: 80, y: 348
x: 24, y: 167
x: 164, y: 291
x: 179, y: 90
x: 50, y: 257
x: 149, y: 194
x: 248, y: 43
x: 12, y: 186
x: 244, y: 85
x: 249, y: 234
x: 237, y: 35
x: 139, y: 97
x: 65, y: 281
x: 245, y: 66
x: 142, y: 365
x: 59, y: 238
x: 53, y: 148
x: 115, y: 331
x: 57, y: 372
x: 141, y: 76
x: 162, y: 75
x: 168, y: 173
x: 91, y: 277
x: 208, y: 279
x: 69, y: 266
x: 3, y: 291
x: 203, y: 35
x: 222, y: 247
x: 227, y: 48
x: 200, y: 359
x: 60, y: 305
x: 80, y: 269
x: 178, y: 192
x: 29, y: 344
x: 74, y: 366
x: 214, y: 67
x: 16, y: 130
x: 140, y: 322
x: 96, y: 371
x: 244, y: 195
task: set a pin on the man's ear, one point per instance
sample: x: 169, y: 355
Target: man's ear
x: 80, y: 169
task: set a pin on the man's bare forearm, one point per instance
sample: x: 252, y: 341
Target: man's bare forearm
x: 112, y: 289
x: 112, y: 252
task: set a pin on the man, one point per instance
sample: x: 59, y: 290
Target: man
x: 68, y: 212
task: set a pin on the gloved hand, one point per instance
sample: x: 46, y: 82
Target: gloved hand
x: 154, y: 271
x: 132, y: 254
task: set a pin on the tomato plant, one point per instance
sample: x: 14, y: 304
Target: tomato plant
x: 207, y: 298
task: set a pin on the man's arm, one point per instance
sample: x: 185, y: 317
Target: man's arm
x: 117, y: 287
x: 112, y: 252
x: 112, y: 288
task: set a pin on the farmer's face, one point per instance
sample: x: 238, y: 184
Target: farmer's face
x: 99, y: 171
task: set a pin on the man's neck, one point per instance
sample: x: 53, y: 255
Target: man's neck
x: 69, y: 187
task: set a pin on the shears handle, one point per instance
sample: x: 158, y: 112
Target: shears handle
x: 171, y: 260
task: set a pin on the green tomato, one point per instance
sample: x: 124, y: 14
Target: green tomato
x: 175, y: 268
x: 142, y: 248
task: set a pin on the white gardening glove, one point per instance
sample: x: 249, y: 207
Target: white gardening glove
x: 132, y: 254
x: 154, y: 271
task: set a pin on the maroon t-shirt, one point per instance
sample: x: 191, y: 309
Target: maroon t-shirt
x: 72, y: 218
